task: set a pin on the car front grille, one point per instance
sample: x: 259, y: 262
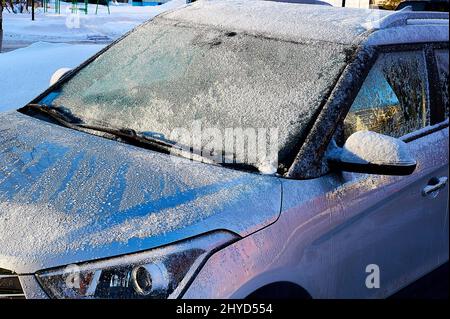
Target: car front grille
x: 10, y: 287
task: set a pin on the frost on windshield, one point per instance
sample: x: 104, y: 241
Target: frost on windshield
x: 164, y: 77
x: 394, y: 97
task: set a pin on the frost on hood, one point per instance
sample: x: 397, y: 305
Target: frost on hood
x: 62, y: 191
x: 168, y: 75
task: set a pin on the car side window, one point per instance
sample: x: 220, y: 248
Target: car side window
x: 442, y: 64
x: 393, y: 99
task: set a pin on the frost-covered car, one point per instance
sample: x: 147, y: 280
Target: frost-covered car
x: 95, y: 202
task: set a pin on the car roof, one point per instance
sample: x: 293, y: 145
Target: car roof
x: 302, y: 22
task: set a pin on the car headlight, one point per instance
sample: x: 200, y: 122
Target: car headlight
x: 163, y: 272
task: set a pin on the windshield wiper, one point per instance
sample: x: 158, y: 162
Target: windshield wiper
x: 127, y: 134
x: 51, y: 113
x: 130, y: 136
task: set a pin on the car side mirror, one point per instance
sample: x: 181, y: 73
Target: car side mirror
x: 58, y: 75
x: 372, y: 153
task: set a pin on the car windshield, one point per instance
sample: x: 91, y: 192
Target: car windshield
x: 179, y: 82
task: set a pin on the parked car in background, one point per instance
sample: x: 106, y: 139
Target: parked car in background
x: 425, y: 5
x: 98, y: 201
x: 416, y: 5
x: 323, y: 3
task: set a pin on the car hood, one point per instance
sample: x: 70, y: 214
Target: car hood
x: 68, y: 197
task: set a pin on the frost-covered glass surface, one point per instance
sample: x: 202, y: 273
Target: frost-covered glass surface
x: 393, y: 99
x: 442, y: 63
x: 166, y: 76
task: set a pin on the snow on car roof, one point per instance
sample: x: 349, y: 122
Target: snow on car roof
x: 287, y: 21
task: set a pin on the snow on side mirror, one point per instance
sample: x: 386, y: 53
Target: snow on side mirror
x: 58, y: 74
x: 372, y: 153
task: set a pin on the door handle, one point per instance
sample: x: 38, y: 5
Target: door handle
x: 434, y: 185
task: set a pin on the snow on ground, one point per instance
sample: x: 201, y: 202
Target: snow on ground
x: 26, y: 72
x: 64, y: 27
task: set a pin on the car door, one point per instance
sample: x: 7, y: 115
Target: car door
x: 406, y: 231
x: 382, y: 232
x: 441, y: 68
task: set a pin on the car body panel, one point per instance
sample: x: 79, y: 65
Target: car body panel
x: 333, y: 227
x: 68, y: 196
